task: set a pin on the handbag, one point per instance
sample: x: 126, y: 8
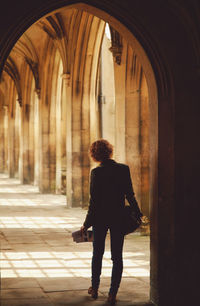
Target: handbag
x: 82, y: 236
x: 131, y: 221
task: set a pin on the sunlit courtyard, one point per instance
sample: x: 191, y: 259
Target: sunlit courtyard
x: 40, y: 263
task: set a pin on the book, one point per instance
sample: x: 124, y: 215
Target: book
x: 82, y: 236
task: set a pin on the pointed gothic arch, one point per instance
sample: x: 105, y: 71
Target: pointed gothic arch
x: 153, y: 83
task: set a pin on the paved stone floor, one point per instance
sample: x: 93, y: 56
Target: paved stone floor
x: 40, y: 263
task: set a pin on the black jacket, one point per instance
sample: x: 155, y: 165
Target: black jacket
x: 110, y: 184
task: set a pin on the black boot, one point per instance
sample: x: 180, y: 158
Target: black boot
x: 93, y: 292
x: 111, y: 299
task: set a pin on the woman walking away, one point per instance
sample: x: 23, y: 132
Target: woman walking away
x: 110, y: 184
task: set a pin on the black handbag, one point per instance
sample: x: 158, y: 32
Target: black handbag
x: 131, y: 220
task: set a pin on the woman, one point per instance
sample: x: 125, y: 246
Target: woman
x: 110, y: 184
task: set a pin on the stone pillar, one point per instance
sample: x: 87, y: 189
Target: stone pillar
x: 61, y: 103
x: 95, y: 117
x: 63, y: 133
x: 52, y: 137
x: 95, y: 107
x: 26, y: 177
x: 11, y: 132
x: 6, y: 138
x: 36, y: 138
x: 58, y: 142
x: 76, y: 143
x: 120, y: 93
x: 16, y: 138
x: 133, y: 136
x: 44, y: 170
x: 24, y: 130
x: 144, y: 143
x: 107, y: 91
x: 67, y: 96
x: 21, y: 145
x: 31, y: 138
x: 11, y: 151
x: 2, y: 139
x: 85, y: 137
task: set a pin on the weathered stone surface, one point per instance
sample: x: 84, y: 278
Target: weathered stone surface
x: 22, y: 293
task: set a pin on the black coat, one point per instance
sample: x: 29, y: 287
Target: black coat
x: 110, y: 184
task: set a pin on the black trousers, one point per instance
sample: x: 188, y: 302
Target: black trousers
x: 116, y: 241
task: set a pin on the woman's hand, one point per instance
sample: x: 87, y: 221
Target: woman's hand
x: 83, y: 228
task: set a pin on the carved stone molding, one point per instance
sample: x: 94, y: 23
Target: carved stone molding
x: 19, y: 100
x: 38, y: 92
x: 116, y: 47
x: 47, y: 29
x: 54, y: 27
x: 67, y: 78
x: 34, y: 68
x: 54, y: 21
x: 11, y: 69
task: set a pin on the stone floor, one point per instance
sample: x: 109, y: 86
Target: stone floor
x: 40, y: 263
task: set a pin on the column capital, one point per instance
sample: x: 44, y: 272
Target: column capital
x: 67, y: 78
x: 19, y: 100
x: 38, y: 92
x: 5, y: 108
x: 117, y: 53
x: 116, y: 45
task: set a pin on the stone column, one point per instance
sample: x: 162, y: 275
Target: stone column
x: 58, y: 143
x: 76, y: 144
x: 61, y: 104
x: 44, y: 169
x: 6, y: 138
x: 120, y: 93
x: 133, y: 133
x: 31, y: 138
x: 63, y: 132
x: 52, y: 137
x: 95, y: 117
x: 11, y: 150
x: 26, y: 177
x: 11, y: 131
x: 2, y: 139
x: 24, y: 114
x: 85, y: 134
x: 144, y: 119
x: 36, y: 138
x: 16, y: 138
x: 107, y: 91
x: 67, y: 96
x: 21, y: 145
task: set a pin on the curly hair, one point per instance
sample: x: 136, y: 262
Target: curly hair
x: 101, y: 150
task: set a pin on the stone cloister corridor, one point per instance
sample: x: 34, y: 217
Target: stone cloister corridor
x: 70, y: 79
x: 73, y: 71
x: 40, y: 263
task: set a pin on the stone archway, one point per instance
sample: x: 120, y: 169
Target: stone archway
x: 152, y: 87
